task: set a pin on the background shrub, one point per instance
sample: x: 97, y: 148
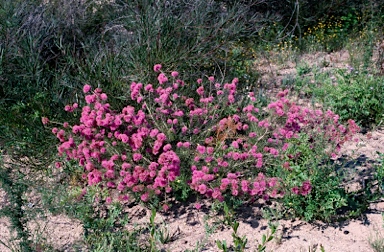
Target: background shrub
x: 48, y: 51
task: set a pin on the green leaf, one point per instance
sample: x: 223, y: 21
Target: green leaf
x: 235, y: 226
x: 153, y: 215
x: 263, y: 239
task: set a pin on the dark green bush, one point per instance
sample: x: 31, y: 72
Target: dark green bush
x: 39, y: 47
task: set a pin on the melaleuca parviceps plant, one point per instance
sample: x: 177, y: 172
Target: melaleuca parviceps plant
x: 215, y: 138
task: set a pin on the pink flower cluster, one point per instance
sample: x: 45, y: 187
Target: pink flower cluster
x: 304, y: 190
x: 119, y: 151
x: 295, y: 119
x: 223, y: 147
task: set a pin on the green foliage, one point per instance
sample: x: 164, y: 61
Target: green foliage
x: 240, y: 242
x: 15, y: 186
x: 324, y: 201
x: 267, y: 237
x: 182, y: 191
x: 303, y: 69
x: 356, y: 95
x: 379, y: 175
x: 326, y: 197
x: 210, y: 229
x: 377, y: 244
x: 192, y: 36
x: 351, y: 93
x: 239, y: 61
x: 157, y: 234
x: 36, y: 61
x: 103, y: 224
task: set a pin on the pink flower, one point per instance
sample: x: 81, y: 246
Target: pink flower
x: 211, y: 79
x: 161, y: 137
x: 174, y: 74
x: 149, y: 88
x: 165, y: 208
x: 157, y: 67
x: 44, y: 120
x: 90, y: 99
x: 224, y: 164
x: 231, y: 176
x: 200, y: 90
x: 110, y: 174
x: 198, y: 206
x: 196, y: 131
x: 153, y: 133
x: 86, y: 88
x: 167, y: 147
x: 202, y: 189
x: 259, y: 163
x: 124, y: 198
x: 286, y: 165
x: 295, y: 190
x: 162, y: 78
x: 144, y: 197
x: 110, y: 184
x: 200, y: 149
x: 306, y: 188
x: 245, y: 186
x: 103, y: 97
x: 252, y: 134
x: 68, y: 108
x: 137, y: 157
x: 124, y: 138
x: 231, y: 99
x: 274, y: 152
x: 126, y: 166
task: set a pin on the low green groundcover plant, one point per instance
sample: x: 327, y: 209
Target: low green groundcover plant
x: 219, y: 144
x: 351, y: 93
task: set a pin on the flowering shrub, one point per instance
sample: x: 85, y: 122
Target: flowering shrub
x: 219, y: 141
